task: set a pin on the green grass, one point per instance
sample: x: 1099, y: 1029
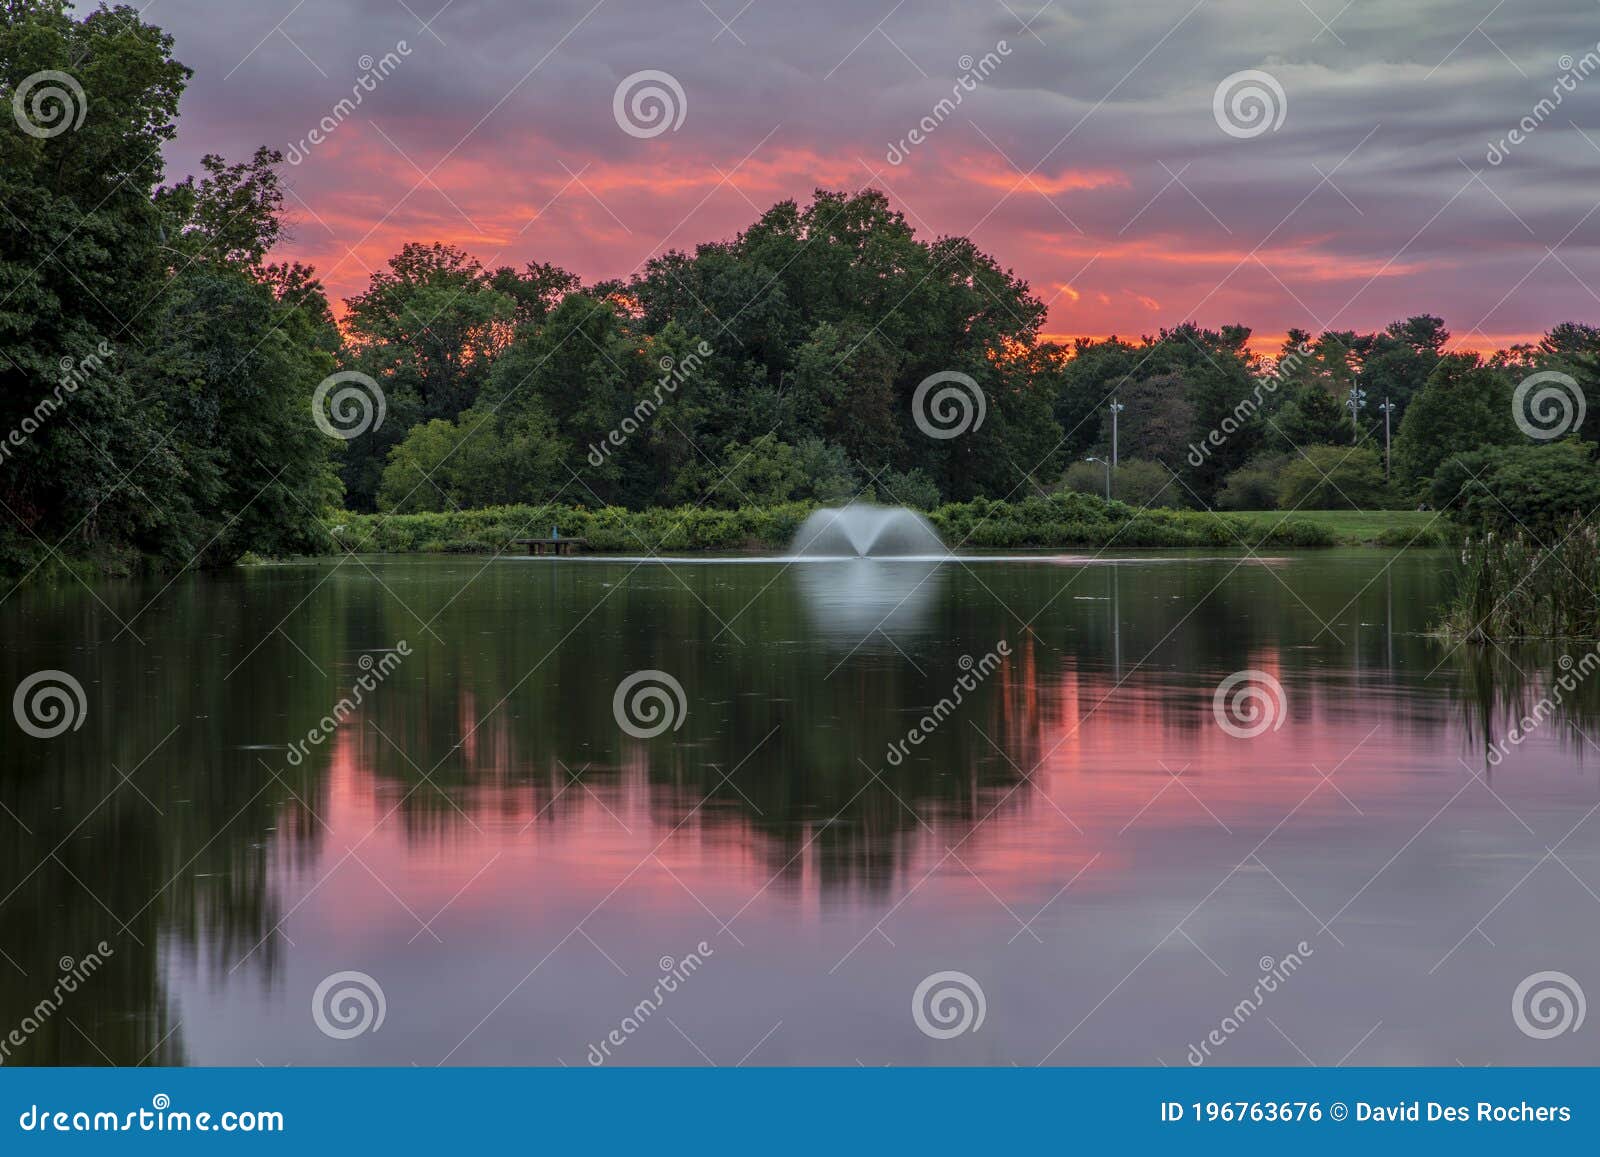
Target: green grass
x: 1361, y: 527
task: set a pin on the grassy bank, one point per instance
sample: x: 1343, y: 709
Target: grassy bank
x: 1065, y: 520
x: 1367, y: 527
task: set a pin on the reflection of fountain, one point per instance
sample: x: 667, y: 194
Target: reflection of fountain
x: 853, y: 598
x: 860, y: 530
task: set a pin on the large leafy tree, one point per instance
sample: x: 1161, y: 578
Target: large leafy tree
x: 158, y: 371
x: 1465, y: 406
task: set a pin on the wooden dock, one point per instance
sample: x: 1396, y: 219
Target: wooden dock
x: 553, y: 545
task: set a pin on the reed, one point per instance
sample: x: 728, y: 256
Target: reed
x: 1514, y: 586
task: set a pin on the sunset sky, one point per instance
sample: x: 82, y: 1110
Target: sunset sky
x: 1089, y: 158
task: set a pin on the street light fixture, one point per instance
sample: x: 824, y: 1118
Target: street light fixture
x: 1388, y: 408
x: 1356, y: 402
x: 1116, y: 408
x: 1107, y: 465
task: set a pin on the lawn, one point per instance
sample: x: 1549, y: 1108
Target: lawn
x: 1352, y: 526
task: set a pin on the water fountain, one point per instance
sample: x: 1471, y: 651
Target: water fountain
x: 864, y: 531
x: 873, y: 572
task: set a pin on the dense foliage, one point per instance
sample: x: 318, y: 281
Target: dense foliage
x: 1055, y: 521
x: 161, y: 374
x: 157, y: 373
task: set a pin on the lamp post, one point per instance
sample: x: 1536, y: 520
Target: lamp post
x: 1357, y: 401
x: 1116, y: 408
x: 1107, y: 465
x: 1388, y: 408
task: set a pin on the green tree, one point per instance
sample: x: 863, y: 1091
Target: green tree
x: 1312, y: 416
x: 161, y: 372
x: 1464, y: 406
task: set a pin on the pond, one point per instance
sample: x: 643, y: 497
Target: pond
x: 461, y: 810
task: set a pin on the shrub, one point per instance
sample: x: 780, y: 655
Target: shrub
x: 1249, y: 488
x: 1138, y: 483
x: 1060, y: 520
x: 1332, y: 478
x: 1542, y: 490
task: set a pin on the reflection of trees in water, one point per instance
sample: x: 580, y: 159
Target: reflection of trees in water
x: 507, y: 719
x: 806, y: 713
x: 174, y: 857
x: 1512, y: 693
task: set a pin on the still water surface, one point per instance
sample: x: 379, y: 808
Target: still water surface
x: 1079, y: 836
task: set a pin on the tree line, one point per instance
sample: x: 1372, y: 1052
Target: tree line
x: 161, y: 372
